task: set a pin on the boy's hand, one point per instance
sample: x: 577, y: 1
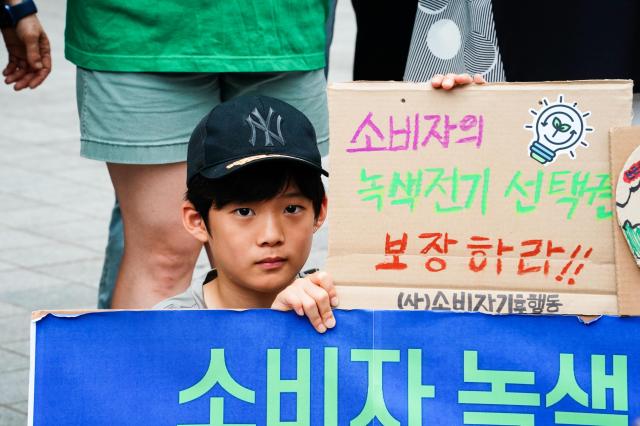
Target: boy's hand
x: 313, y: 296
x: 449, y: 81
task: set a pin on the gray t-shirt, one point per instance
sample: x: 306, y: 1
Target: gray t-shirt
x: 193, y: 297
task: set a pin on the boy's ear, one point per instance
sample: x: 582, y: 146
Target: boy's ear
x: 194, y: 223
x: 322, y: 215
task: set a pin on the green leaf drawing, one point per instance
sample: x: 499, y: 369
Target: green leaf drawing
x: 632, y: 234
x: 560, y: 126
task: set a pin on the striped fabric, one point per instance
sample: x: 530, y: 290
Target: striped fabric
x: 454, y: 36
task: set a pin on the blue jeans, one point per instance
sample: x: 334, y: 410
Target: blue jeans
x: 112, y: 258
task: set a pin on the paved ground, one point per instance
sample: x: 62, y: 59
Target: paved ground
x: 55, y: 206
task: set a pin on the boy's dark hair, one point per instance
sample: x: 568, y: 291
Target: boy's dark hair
x: 257, y: 182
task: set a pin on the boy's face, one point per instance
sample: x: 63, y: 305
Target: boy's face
x: 261, y: 246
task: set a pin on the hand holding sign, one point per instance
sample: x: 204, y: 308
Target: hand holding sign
x: 313, y: 296
x: 449, y: 81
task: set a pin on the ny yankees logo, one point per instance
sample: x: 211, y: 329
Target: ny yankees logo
x: 264, y: 125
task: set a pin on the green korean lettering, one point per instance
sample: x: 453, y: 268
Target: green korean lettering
x: 578, y: 184
x: 514, y: 184
x: 579, y: 188
x: 602, y: 191
x: 217, y: 373
x: 538, y: 186
x: 486, y: 174
x: 567, y: 384
x: 577, y: 191
x: 216, y: 415
x: 499, y: 419
x: 476, y: 179
x: 455, y: 179
x: 435, y: 183
x: 498, y: 380
x: 603, y: 212
x: 301, y: 386
x: 375, y: 189
x: 590, y: 419
x: 573, y: 201
x: 411, y: 188
x: 556, y: 181
x: 417, y: 391
x: 375, y: 406
x: 331, y: 387
x: 617, y: 382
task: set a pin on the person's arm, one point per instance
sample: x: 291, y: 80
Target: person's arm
x: 29, y: 52
x: 449, y: 81
x: 313, y: 296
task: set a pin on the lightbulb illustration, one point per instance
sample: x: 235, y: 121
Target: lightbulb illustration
x: 558, y: 127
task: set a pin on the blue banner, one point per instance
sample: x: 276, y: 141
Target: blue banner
x: 262, y: 367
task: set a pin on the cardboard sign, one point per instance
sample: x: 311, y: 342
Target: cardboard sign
x: 494, y: 198
x: 264, y: 367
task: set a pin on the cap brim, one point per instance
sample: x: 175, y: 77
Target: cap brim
x: 224, y: 169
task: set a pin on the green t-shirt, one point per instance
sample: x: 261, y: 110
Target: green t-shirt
x: 196, y: 35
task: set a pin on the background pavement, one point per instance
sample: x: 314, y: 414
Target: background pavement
x: 55, y: 205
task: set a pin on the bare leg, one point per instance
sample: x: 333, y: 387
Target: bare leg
x: 159, y: 254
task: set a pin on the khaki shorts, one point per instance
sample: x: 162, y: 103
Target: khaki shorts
x: 147, y: 118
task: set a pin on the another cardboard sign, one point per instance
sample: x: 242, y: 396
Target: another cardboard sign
x: 494, y: 198
x: 624, y: 142
x: 628, y: 200
x: 261, y: 367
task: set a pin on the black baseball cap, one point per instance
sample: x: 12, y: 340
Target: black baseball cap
x: 250, y: 129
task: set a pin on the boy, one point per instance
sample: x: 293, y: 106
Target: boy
x: 254, y: 193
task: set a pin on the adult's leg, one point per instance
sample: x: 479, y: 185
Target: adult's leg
x: 159, y: 254
x: 112, y: 259
x: 142, y: 118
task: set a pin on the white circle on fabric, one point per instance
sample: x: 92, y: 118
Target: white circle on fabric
x: 444, y: 39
